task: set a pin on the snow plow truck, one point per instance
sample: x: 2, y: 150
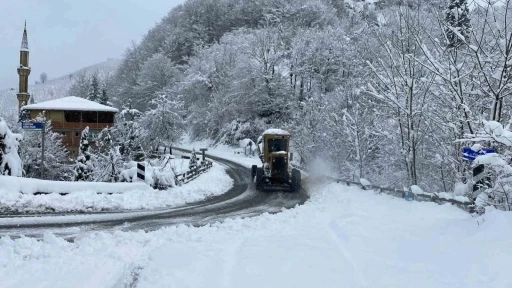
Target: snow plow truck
x: 273, y: 149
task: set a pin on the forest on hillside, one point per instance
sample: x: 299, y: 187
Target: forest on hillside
x: 383, y: 90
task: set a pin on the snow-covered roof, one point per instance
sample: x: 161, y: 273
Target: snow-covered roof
x: 276, y: 132
x: 71, y: 103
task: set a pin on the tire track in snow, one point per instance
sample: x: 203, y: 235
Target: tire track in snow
x: 341, y: 238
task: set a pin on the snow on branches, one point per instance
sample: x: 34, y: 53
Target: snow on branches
x: 83, y: 166
x: 164, y: 123
x: 56, y: 164
x: 10, y: 161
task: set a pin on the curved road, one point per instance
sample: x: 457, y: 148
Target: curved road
x: 242, y: 200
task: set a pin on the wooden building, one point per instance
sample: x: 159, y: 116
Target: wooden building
x: 70, y: 115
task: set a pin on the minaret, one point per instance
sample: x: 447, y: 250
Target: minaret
x: 23, y: 71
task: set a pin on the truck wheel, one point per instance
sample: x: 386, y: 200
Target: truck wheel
x: 259, y: 179
x: 253, y: 171
x: 296, y: 179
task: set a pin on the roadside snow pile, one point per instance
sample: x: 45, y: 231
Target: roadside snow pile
x: 134, y: 196
x: 365, y: 182
x: 15, y: 185
x: 446, y: 195
x: 344, y: 236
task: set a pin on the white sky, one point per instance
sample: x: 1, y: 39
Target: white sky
x: 66, y: 35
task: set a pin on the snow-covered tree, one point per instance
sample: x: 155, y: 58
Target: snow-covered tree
x: 127, y: 134
x: 164, y: 123
x: 458, y: 23
x: 491, y: 46
x: 404, y: 87
x: 94, y: 90
x: 56, y: 164
x: 10, y: 161
x: 353, y: 120
x: 80, y: 85
x: 84, y: 166
x: 107, y: 158
x: 155, y: 74
x: 104, y: 98
x: 453, y: 91
x: 498, y: 165
x: 192, y: 164
x: 43, y: 77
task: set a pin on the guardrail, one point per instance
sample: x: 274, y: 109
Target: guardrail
x: 421, y: 197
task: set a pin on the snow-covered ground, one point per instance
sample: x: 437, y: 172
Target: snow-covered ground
x: 342, y: 237
x: 135, y: 196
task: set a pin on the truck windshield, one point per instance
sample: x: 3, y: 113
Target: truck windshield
x: 276, y: 145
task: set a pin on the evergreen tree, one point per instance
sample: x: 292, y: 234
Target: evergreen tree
x: 94, y: 90
x: 83, y: 166
x: 458, y: 24
x: 192, y: 164
x: 104, y: 97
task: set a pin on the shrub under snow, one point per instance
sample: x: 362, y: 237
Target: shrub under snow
x: 153, y: 175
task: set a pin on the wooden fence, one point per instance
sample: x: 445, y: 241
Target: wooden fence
x: 193, y: 173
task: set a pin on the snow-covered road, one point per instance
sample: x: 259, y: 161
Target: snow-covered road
x: 238, y: 201
x: 341, y: 237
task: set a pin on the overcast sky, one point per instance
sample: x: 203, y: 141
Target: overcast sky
x: 66, y: 35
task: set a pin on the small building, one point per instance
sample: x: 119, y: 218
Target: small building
x: 70, y: 115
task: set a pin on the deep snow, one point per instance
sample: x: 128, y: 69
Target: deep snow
x: 341, y: 237
x: 135, y: 196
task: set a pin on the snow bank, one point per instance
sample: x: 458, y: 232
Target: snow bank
x: 365, y: 182
x: 416, y: 190
x: 342, y: 237
x: 84, y: 197
x: 14, y: 185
